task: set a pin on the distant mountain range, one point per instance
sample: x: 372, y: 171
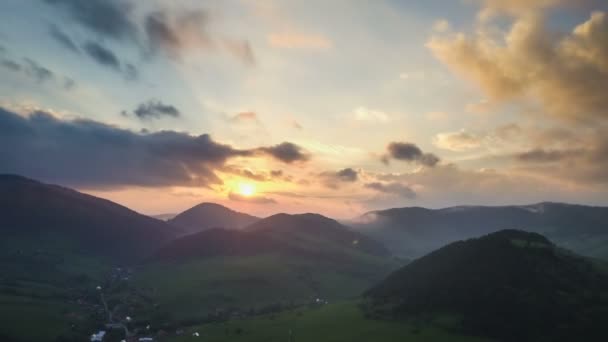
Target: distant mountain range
x: 412, y: 232
x: 210, y: 215
x: 302, y: 235
x: 58, y: 244
x: 509, y: 285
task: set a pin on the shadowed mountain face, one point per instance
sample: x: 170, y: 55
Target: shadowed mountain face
x: 211, y: 215
x: 30, y: 210
x: 277, y: 260
x: 304, y: 234
x: 511, y: 285
x: 412, y: 232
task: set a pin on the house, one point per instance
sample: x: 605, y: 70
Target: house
x: 98, y: 337
x: 146, y: 339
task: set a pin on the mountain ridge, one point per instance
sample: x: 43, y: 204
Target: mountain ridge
x: 208, y: 215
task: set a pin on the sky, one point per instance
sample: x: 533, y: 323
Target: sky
x: 336, y: 107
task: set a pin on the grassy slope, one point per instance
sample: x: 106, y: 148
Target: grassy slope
x: 340, y: 322
x: 194, y: 289
x: 39, y: 282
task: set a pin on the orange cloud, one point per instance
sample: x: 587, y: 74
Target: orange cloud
x: 295, y: 40
x: 567, y: 75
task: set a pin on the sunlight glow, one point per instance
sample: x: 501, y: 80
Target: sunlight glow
x: 246, y: 189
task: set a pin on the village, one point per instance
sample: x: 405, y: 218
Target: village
x: 116, y: 304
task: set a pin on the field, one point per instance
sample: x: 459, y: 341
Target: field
x: 192, y: 290
x: 41, y: 282
x: 339, y: 322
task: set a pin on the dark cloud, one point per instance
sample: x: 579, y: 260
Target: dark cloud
x: 107, y: 18
x: 38, y: 72
x: 10, y: 64
x: 334, y: 179
x: 130, y: 72
x: 108, y: 58
x: 34, y: 71
x: 251, y: 199
x: 68, y: 83
x: 409, y: 152
x: 176, y: 33
x: 286, y: 152
x: 155, y: 110
x: 393, y: 188
x: 91, y: 154
x: 62, y: 38
x: 347, y: 175
x: 170, y: 32
x: 102, y: 55
x: 29, y: 68
x: 276, y: 173
x: 246, y: 173
x: 544, y: 156
x: 163, y: 35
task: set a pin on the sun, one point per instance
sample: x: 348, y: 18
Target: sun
x: 246, y: 189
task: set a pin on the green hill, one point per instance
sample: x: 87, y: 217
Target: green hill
x: 510, y: 285
x: 280, y: 261
x: 57, y: 245
x: 339, y: 322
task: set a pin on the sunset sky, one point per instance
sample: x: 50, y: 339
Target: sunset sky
x: 336, y: 107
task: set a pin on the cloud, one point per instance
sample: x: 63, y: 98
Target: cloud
x: 409, y: 152
x: 457, y: 141
x: 172, y: 32
x: 243, y: 172
x: 107, y: 18
x: 247, y: 116
x: 286, y: 152
x: 107, y: 58
x: 38, y: 72
x: 392, y: 188
x: 509, y: 138
x: 251, y: 199
x: 102, y: 55
x: 296, y: 125
x: 565, y: 74
x: 10, y: 65
x: 333, y: 180
x: 492, y: 8
x: 63, y: 39
x: 296, y: 40
x: 35, y: 72
x: 544, y: 156
x: 154, y: 109
x: 90, y: 154
x: 369, y: 115
x: 176, y: 33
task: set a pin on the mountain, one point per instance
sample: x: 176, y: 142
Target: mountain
x: 211, y: 215
x: 163, y: 217
x: 57, y: 246
x: 412, y: 232
x: 36, y: 211
x: 278, y: 260
x: 303, y: 234
x: 510, y: 285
